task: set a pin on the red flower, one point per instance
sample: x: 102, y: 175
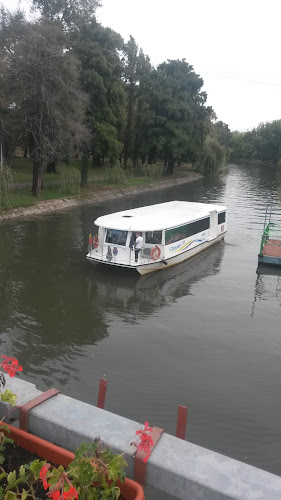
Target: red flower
x: 145, y: 430
x: 43, y: 474
x: 55, y: 495
x: 145, y: 440
x: 11, y: 366
x: 145, y: 444
x: 71, y: 493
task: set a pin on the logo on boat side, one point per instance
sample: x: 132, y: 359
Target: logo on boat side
x: 182, y: 246
x: 177, y: 247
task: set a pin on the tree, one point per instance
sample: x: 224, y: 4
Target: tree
x: 261, y: 143
x: 40, y: 82
x: 130, y: 62
x: 213, y: 155
x: 98, y: 51
x: 178, y: 102
x: 68, y: 13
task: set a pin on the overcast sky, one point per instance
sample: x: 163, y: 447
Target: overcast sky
x: 233, y: 44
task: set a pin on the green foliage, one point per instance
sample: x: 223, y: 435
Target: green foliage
x: 90, y: 468
x: 9, y: 397
x: 213, y: 156
x: 116, y: 175
x: 69, y: 179
x: 35, y: 467
x: 127, y: 108
x: 6, y: 179
x: 93, y: 473
x: 154, y: 171
x: 262, y: 143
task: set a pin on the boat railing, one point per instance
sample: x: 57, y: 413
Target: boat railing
x: 271, y: 231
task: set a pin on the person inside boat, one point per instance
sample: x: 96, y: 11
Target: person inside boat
x: 132, y: 241
x: 138, y: 245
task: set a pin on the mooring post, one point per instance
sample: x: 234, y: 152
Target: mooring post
x: 181, y: 424
x: 102, y: 393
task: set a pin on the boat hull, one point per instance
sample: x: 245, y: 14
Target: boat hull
x: 163, y: 264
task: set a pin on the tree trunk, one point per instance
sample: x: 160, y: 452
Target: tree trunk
x: 171, y: 166
x: 84, y: 170
x: 37, y: 176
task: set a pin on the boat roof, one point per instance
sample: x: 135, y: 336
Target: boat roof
x: 158, y: 217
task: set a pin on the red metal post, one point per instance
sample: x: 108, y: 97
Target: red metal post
x: 102, y: 393
x: 181, y: 424
x: 24, y: 409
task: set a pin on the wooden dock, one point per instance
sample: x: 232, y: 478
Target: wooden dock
x: 271, y: 252
x: 270, y: 249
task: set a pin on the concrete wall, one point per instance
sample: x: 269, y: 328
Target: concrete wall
x: 176, y: 467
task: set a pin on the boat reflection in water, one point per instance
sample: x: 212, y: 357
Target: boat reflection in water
x: 130, y: 296
x: 267, y: 285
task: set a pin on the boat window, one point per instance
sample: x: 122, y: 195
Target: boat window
x: 179, y: 233
x: 153, y: 237
x: 221, y: 218
x: 116, y: 236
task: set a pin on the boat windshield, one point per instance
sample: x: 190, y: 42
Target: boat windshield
x: 116, y: 236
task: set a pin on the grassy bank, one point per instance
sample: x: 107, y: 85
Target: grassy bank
x: 99, y: 180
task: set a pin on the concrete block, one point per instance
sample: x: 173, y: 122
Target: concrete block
x: 177, y: 467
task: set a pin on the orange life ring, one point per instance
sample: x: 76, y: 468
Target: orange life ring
x: 155, y: 253
x: 95, y: 241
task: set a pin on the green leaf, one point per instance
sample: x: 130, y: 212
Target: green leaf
x: 11, y: 478
x: 2, y: 477
x: 36, y: 466
x: 85, y: 474
x: 5, y: 428
x: 22, y: 471
x: 8, y: 440
x: 10, y: 495
x: 9, y: 397
x: 116, y: 468
x: 24, y: 494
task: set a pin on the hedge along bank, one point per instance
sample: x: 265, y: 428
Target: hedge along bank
x: 44, y: 207
x: 177, y: 467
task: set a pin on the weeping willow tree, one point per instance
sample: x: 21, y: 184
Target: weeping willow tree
x: 6, y: 180
x: 214, y: 156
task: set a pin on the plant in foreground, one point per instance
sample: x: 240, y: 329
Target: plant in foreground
x: 11, y: 367
x: 93, y: 474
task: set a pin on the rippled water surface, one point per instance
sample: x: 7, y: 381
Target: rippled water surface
x: 205, y: 333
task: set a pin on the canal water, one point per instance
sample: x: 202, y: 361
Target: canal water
x: 205, y: 334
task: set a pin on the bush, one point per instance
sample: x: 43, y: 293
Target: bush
x: 155, y: 171
x: 70, y: 179
x: 6, y: 179
x: 214, y: 156
x: 116, y: 175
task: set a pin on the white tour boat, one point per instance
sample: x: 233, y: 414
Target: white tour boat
x: 170, y: 233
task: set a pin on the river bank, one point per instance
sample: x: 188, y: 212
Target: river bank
x: 255, y: 163
x: 43, y: 207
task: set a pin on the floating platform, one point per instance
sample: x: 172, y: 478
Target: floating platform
x: 270, y: 249
x: 271, y: 253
